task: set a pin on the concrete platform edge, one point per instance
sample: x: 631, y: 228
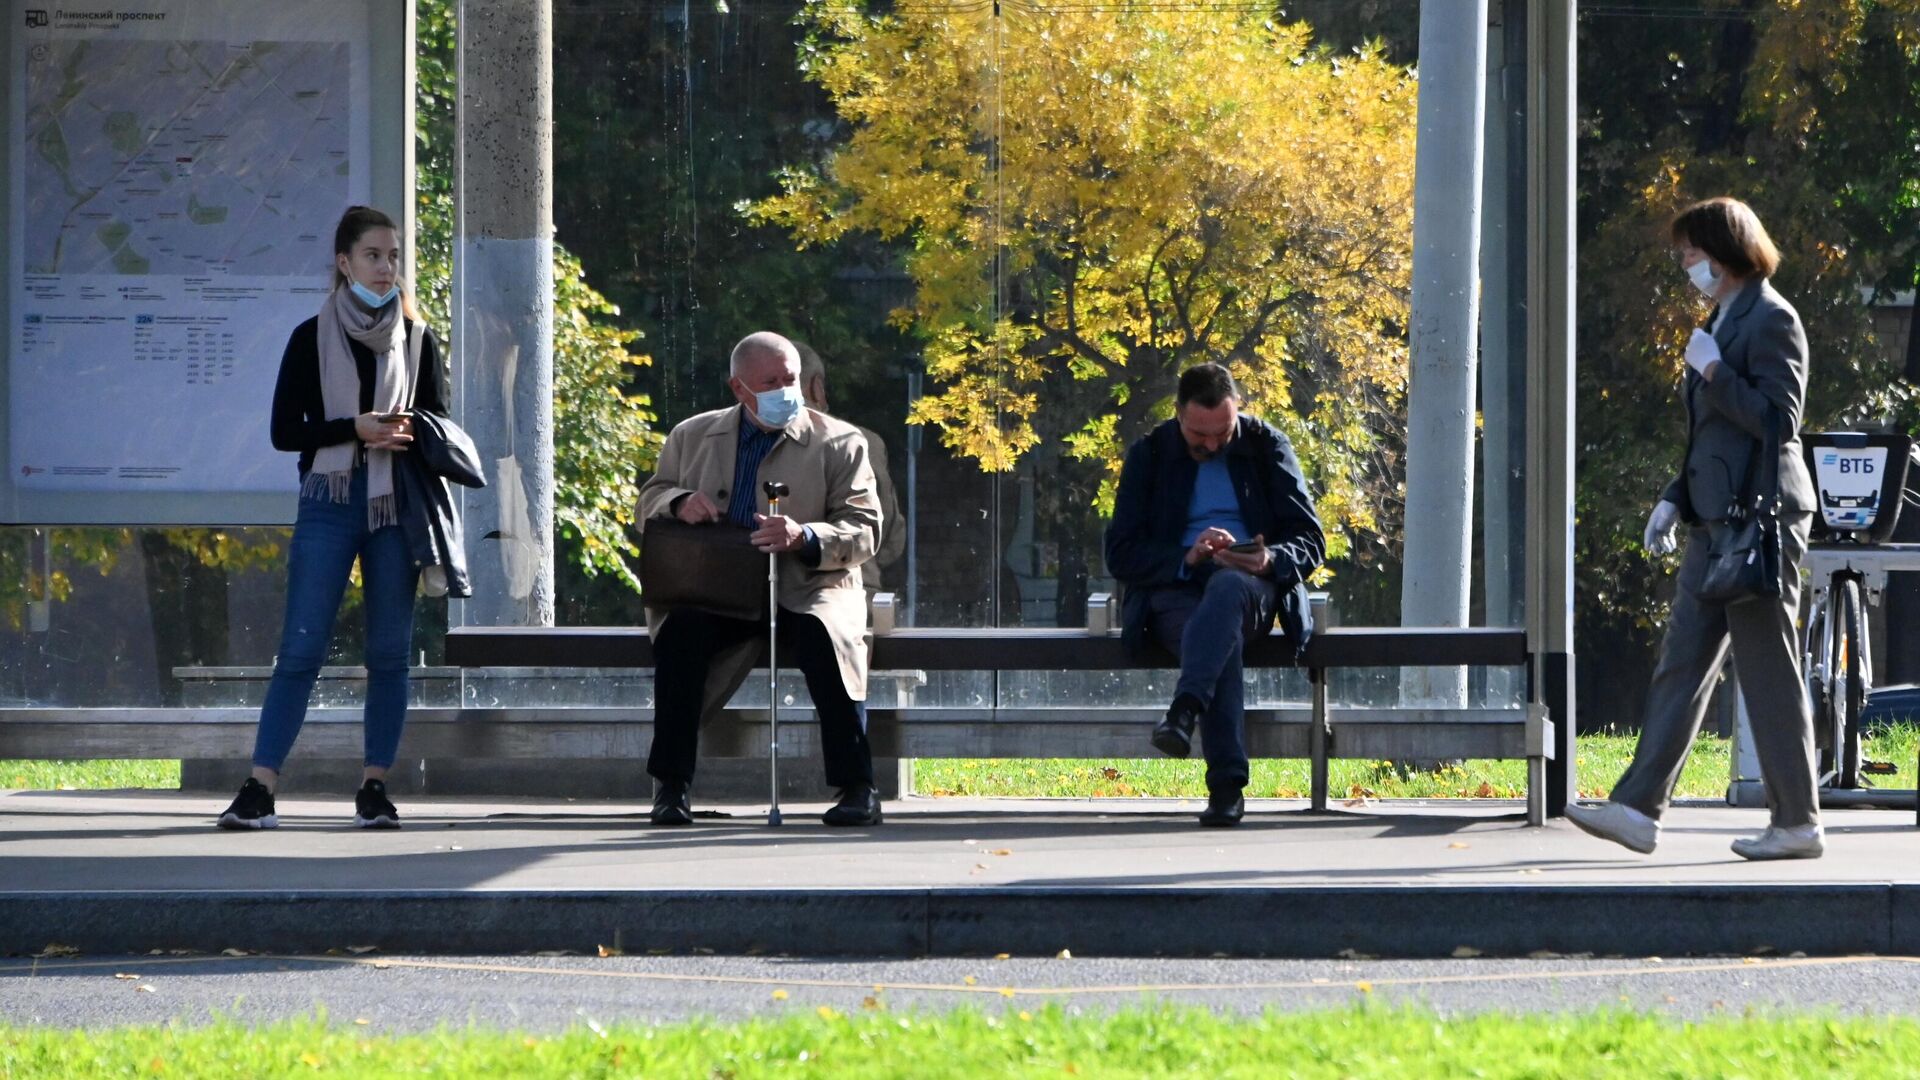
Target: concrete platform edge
x: 1297, y: 922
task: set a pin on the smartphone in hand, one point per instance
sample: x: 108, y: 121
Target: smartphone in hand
x: 1245, y: 547
x: 394, y: 417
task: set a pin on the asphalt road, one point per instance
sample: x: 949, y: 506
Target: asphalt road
x: 550, y: 993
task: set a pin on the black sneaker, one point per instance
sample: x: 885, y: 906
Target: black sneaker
x: 251, y: 809
x: 372, y: 809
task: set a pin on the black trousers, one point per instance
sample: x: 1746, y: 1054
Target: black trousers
x: 688, y: 643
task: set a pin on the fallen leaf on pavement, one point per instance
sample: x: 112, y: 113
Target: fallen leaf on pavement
x: 1544, y: 954
x: 1354, y: 954
x: 779, y: 995
x: 145, y: 988
x: 606, y: 951
x: 1006, y: 991
x: 969, y: 980
x: 1364, y: 987
x: 1063, y: 954
x: 362, y: 950
x: 54, y: 948
x: 361, y: 1021
x: 1457, y: 844
x: 124, y: 975
x: 234, y: 952
x: 1002, y: 956
x: 1465, y: 952
x: 1001, y: 851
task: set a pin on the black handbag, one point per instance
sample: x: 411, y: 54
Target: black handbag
x: 712, y: 568
x: 1743, y: 550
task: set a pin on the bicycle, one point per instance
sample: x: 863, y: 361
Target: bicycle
x: 1855, y: 475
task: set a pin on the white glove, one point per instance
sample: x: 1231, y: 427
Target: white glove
x: 1702, y: 351
x: 1661, y: 528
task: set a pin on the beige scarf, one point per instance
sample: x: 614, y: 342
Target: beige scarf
x: 384, y: 333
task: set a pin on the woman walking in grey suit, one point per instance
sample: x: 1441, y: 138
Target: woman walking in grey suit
x: 1747, y: 370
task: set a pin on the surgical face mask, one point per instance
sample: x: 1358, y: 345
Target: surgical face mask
x: 1704, y: 279
x: 373, y: 299
x: 777, y: 406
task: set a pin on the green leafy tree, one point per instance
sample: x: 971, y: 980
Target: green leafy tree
x: 1091, y: 201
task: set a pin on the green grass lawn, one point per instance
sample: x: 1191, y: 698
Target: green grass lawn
x: 1602, y: 758
x: 88, y: 775
x: 1046, y: 1042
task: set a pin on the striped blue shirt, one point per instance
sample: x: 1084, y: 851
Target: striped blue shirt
x: 744, y: 502
x: 754, y: 447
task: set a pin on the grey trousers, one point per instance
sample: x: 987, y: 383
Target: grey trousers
x: 1767, y: 659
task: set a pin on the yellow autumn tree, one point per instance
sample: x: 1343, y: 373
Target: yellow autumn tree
x: 1091, y: 201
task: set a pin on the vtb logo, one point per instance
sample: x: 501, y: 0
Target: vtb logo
x: 36, y: 18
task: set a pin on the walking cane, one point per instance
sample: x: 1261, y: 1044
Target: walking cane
x: 775, y: 492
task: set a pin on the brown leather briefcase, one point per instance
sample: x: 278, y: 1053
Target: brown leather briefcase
x: 708, y: 567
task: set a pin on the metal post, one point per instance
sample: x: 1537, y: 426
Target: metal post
x: 1435, y: 587
x: 1550, y: 414
x: 913, y: 504
x: 1317, y: 739
x: 503, y: 305
x: 775, y: 492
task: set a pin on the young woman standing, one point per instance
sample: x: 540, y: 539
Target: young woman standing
x: 349, y: 382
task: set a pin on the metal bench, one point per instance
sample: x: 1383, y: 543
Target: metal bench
x: 482, y: 727
x: 1317, y: 733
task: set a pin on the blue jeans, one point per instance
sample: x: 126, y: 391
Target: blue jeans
x: 327, y: 537
x: 1205, y: 623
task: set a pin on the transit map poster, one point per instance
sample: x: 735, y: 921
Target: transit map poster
x: 176, y: 168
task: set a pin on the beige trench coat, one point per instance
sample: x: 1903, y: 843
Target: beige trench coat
x: 825, y: 464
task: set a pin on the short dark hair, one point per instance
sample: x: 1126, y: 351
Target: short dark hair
x: 1209, y: 384
x: 1730, y: 233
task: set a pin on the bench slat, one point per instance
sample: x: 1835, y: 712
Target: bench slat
x: 1009, y: 649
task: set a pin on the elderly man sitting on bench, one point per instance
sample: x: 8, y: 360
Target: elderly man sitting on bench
x: 1213, y: 535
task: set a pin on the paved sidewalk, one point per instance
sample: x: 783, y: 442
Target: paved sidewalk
x: 942, y: 877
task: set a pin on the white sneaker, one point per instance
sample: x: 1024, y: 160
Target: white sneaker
x: 1797, y: 842
x: 1617, y: 822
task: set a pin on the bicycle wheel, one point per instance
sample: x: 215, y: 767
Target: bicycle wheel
x: 1850, y: 684
x: 1815, y: 664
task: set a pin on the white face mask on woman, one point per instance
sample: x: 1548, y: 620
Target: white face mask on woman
x: 1704, y: 279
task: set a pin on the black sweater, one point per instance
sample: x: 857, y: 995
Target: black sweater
x: 300, y: 416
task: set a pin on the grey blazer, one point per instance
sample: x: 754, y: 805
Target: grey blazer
x: 1763, y: 352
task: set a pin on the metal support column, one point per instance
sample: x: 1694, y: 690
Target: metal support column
x: 1550, y: 384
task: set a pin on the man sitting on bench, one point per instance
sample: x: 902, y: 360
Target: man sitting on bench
x: 710, y: 471
x: 1213, y: 535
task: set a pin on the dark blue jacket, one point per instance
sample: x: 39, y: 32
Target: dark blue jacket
x: 1144, y: 546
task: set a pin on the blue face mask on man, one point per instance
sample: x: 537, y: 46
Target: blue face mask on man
x: 777, y: 406
x: 373, y: 299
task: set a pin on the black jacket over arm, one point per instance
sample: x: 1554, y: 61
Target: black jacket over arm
x: 300, y: 423
x: 1143, y: 542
